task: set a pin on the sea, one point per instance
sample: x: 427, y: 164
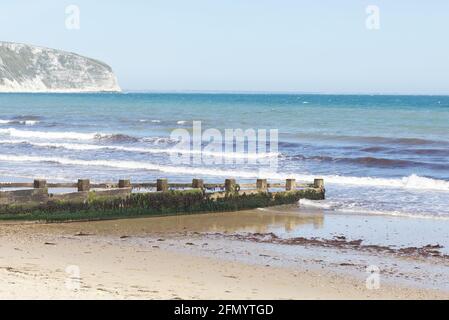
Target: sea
x: 378, y: 154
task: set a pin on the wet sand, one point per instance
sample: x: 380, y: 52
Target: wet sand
x: 214, y: 256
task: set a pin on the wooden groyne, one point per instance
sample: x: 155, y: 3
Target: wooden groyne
x: 124, y: 198
x: 196, y: 183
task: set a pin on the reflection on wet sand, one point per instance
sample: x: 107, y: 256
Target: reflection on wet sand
x: 259, y: 220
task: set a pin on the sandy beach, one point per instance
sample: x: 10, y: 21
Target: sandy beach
x: 201, y: 257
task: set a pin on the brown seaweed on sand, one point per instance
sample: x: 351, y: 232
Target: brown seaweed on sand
x: 338, y: 243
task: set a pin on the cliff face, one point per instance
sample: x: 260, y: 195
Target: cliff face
x: 25, y: 68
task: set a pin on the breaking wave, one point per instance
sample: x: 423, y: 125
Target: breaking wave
x: 22, y: 122
x: 315, y: 204
x: 410, y: 182
x: 55, y: 135
x: 47, y: 135
x: 90, y: 147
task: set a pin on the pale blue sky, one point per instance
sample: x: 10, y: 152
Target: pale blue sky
x: 249, y: 45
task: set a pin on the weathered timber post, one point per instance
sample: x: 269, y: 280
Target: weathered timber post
x: 262, y: 185
x: 162, y: 185
x: 230, y: 186
x: 40, y: 184
x: 318, y: 183
x: 290, y: 184
x: 198, y: 184
x: 123, y: 183
x: 83, y: 185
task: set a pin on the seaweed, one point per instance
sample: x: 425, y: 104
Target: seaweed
x: 97, y: 207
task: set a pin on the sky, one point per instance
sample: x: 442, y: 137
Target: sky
x: 249, y: 45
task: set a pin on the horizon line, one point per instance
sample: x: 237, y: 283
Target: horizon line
x: 228, y: 92
x: 255, y: 92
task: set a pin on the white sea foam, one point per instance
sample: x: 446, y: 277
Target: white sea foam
x: 129, y: 165
x: 48, y: 134
x: 153, y: 121
x: 59, y: 135
x: 354, y: 209
x: 25, y: 122
x: 30, y: 122
x: 88, y: 147
x: 322, y: 204
x: 66, y: 135
x: 181, y: 122
x: 412, y: 182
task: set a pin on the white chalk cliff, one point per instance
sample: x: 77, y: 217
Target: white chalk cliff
x: 26, y: 68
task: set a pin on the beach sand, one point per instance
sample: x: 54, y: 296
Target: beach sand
x: 198, y: 257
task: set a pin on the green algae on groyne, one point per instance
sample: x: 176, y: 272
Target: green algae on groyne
x: 112, y: 201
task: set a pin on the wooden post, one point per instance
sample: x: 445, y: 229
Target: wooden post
x: 124, y: 184
x: 262, y: 185
x: 162, y: 185
x: 230, y: 185
x: 318, y: 183
x: 40, y: 184
x: 198, y: 184
x: 83, y: 185
x: 290, y: 184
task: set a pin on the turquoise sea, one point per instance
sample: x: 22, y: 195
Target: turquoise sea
x: 378, y: 154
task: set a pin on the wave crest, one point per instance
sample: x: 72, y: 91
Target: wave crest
x: 89, y: 147
x: 410, y: 182
x: 21, y: 122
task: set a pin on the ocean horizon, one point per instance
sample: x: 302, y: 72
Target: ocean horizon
x: 238, y: 92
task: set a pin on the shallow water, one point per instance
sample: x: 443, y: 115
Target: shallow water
x: 287, y: 222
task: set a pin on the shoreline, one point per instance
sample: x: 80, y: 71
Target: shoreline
x: 179, y: 257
